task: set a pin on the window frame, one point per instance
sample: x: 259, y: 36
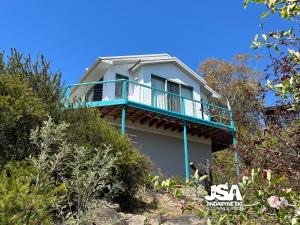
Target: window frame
x: 180, y: 85
x: 119, y: 85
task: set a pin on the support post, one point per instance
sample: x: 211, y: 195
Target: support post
x: 182, y: 106
x: 236, y: 156
x: 186, y: 154
x: 67, y: 94
x: 123, y: 120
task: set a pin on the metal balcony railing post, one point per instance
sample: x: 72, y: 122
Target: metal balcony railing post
x: 124, y: 94
x: 68, y: 94
x: 208, y: 112
x: 182, y: 106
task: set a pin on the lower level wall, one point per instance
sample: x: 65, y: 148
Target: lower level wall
x: 167, y: 153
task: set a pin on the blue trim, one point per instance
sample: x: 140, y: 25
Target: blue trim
x: 176, y: 115
x: 182, y: 106
x: 123, y: 120
x: 180, y: 115
x: 186, y: 152
x: 100, y: 103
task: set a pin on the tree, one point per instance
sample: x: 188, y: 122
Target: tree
x: 277, y: 149
x: 238, y: 83
x: 283, y: 47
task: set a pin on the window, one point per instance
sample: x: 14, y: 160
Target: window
x: 173, y: 100
x: 95, y: 93
x: 187, y: 92
x: 164, y: 100
x: 119, y: 86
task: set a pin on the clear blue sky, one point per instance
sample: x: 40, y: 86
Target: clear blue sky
x: 71, y: 34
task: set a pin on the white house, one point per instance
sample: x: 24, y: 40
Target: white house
x: 161, y: 104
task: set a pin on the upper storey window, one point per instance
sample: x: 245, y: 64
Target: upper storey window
x: 119, y: 85
x: 170, y: 100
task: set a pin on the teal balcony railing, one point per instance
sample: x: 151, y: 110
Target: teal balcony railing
x: 103, y: 93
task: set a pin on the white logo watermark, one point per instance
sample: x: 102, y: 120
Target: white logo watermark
x: 223, y: 199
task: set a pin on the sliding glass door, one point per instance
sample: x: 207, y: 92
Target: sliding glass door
x: 158, y: 92
x: 173, y: 100
x: 166, y: 94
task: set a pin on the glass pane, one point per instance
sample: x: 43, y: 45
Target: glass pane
x: 187, y: 92
x: 158, y: 83
x: 173, y: 100
x: 158, y: 99
x: 98, y: 91
x: 119, y: 85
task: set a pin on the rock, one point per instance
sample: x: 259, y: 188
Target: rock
x: 183, y: 220
x: 154, y: 220
x: 132, y: 219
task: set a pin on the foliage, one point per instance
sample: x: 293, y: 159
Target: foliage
x: 88, y: 129
x: 188, y: 193
x: 26, y: 195
x: 264, y: 202
x: 45, y: 84
x: 87, y: 172
x: 277, y: 149
x: 284, y: 49
x: 20, y: 111
x: 29, y: 92
x: 224, y: 168
x: 240, y: 84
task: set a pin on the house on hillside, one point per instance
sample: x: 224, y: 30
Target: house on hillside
x: 280, y: 115
x: 161, y: 104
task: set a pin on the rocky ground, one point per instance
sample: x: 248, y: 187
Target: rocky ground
x: 153, y: 208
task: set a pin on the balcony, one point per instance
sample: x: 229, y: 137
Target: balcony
x: 135, y: 102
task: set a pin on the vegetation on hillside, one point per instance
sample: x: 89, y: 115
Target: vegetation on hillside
x: 71, y: 158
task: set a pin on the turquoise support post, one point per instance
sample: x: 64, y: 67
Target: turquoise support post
x: 123, y: 120
x: 68, y: 94
x: 182, y: 106
x: 236, y: 156
x: 124, y: 96
x: 186, y: 153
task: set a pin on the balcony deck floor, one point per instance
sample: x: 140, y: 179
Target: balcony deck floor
x: 221, y: 136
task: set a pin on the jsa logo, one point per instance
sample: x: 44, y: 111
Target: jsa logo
x: 220, y: 193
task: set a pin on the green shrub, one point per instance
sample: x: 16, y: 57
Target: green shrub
x: 20, y: 111
x: 87, y: 172
x: 29, y: 92
x: 87, y: 128
x: 26, y: 195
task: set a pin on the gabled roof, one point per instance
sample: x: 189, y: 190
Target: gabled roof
x: 139, y: 61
